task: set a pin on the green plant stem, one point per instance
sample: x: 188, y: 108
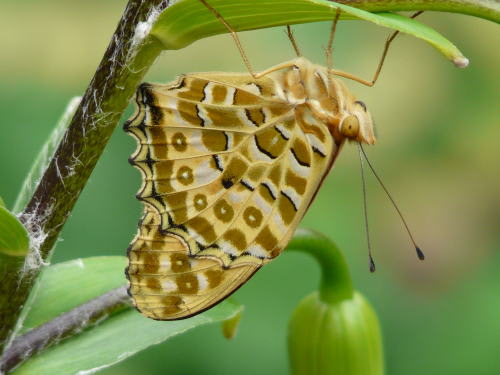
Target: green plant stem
x: 487, y: 9
x: 124, y: 64
x: 64, y: 326
x: 336, y: 283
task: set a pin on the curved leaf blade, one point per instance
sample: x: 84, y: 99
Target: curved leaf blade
x: 66, y: 285
x: 189, y: 20
x: 419, y: 30
x: 114, y: 340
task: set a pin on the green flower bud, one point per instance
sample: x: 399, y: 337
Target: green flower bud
x: 340, y: 338
x: 333, y: 331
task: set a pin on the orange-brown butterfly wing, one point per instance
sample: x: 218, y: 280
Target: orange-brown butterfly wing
x: 229, y: 169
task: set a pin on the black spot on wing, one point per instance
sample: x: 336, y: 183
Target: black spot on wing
x: 148, y: 160
x: 171, y: 223
x: 204, y: 93
x: 281, y: 133
x: 301, y: 162
x: 180, y: 83
x: 142, y: 128
x: 318, y: 151
x: 156, y: 115
x: 149, y: 100
x: 257, y: 256
x: 218, y: 163
x: 202, y: 120
x: 290, y: 200
x: 202, y: 247
x: 226, y: 147
x: 250, y: 117
x: 138, y: 100
x: 262, y: 149
x: 247, y: 185
x: 227, y: 183
x: 147, y: 96
x: 269, y: 190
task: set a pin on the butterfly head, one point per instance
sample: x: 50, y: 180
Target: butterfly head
x: 356, y: 123
x: 333, y: 104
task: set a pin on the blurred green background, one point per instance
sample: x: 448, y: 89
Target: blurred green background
x: 437, y: 152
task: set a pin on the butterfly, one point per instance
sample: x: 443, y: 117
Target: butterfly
x: 230, y: 164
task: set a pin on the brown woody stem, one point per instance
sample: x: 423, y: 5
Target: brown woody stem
x: 65, y: 325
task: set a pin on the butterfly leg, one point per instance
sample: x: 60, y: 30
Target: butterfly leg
x: 275, y: 68
x: 295, y: 46
x: 380, y: 64
x: 329, y: 48
x: 233, y: 34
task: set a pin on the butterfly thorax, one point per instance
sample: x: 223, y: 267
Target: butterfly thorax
x: 316, y: 94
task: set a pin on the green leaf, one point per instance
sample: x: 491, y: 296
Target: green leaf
x: 66, y: 285
x: 2, y: 203
x: 116, y: 339
x: 189, y: 20
x: 421, y: 31
x: 14, y: 240
x: 230, y: 326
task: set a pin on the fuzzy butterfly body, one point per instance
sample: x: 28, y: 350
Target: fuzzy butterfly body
x: 230, y: 164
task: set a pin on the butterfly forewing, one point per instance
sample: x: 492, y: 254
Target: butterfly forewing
x: 229, y: 168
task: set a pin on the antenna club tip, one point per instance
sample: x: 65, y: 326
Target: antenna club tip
x: 420, y: 253
x: 372, y: 266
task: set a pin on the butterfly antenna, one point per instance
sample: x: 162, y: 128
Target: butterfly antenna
x: 419, y: 252
x: 371, y: 262
x: 388, y: 42
x: 233, y: 34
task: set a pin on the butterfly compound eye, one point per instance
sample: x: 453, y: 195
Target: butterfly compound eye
x: 349, y: 127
